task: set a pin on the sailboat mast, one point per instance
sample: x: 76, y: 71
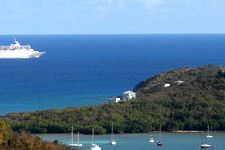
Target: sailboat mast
x: 72, y: 136
x: 202, y: 139
x: 208, y: 129
x: 112, y: 138
x: 160, y: 132
x: 93, y: 131
x: 78, y: 137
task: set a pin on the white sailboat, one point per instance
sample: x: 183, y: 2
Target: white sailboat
x: 151, y: 140
x: 204, y: 144
x: 94, y: 146
x: 159, y: 141
x: 208, y: 133
x: 113, y: 141
x: 78, y: 140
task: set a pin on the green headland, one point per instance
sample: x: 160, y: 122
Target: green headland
x: 181, y: 99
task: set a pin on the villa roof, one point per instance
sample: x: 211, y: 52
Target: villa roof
x: 129, y: 92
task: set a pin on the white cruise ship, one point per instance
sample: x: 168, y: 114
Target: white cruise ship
x: 16, y: 50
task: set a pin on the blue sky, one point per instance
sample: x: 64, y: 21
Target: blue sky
x: 111, y: 16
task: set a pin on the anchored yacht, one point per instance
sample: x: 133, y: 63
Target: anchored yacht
x: 73, y: 145
x: 113, y: 141
x: 94, y: 146
x: 15, y: 50
x: 208, y: 134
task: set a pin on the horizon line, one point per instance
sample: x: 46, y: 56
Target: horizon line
x: 10, y: 34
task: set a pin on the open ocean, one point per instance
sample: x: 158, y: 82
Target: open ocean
x: 86, y: 69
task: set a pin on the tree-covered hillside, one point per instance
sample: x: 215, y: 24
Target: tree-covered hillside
x: 194, y: 99
x: 10, y: 140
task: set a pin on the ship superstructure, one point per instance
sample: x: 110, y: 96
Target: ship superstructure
x: 15, y: 50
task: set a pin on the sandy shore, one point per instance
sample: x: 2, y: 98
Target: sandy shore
x: 187, y: 131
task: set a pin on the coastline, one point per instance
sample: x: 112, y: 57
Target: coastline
x: 143, y: 114
x: 178, y: 131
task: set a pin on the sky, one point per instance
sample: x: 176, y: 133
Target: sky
x: 111, y: 16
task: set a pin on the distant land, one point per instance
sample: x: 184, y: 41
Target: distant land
x: 180, y: 99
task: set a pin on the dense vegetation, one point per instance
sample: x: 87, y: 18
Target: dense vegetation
x: 195, y: 99
x: 10, y: 140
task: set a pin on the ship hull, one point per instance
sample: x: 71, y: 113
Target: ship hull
x: 19, y: 54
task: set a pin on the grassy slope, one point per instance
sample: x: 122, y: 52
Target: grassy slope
x: 199, y: 101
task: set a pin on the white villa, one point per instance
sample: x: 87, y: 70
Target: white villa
x: 126, y: 96
x: 129, y: 95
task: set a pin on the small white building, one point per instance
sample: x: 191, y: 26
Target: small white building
x: 129, y: 95
x: 117, y: 100
x: 166, y: 85
x: 179, y: 82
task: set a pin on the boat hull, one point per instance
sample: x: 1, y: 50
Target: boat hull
x: 151, y: 140
x: 20, y: 54
x: 205, y: 146
x: 95, y: 147
x: 113, y: 142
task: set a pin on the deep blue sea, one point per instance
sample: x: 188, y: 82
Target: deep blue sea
x: 86, y: 69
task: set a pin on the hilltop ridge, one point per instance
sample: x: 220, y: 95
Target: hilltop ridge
x: 194, y: 83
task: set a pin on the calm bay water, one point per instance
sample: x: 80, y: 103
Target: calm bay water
x: 172, y: 141
x: 85, y: 69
